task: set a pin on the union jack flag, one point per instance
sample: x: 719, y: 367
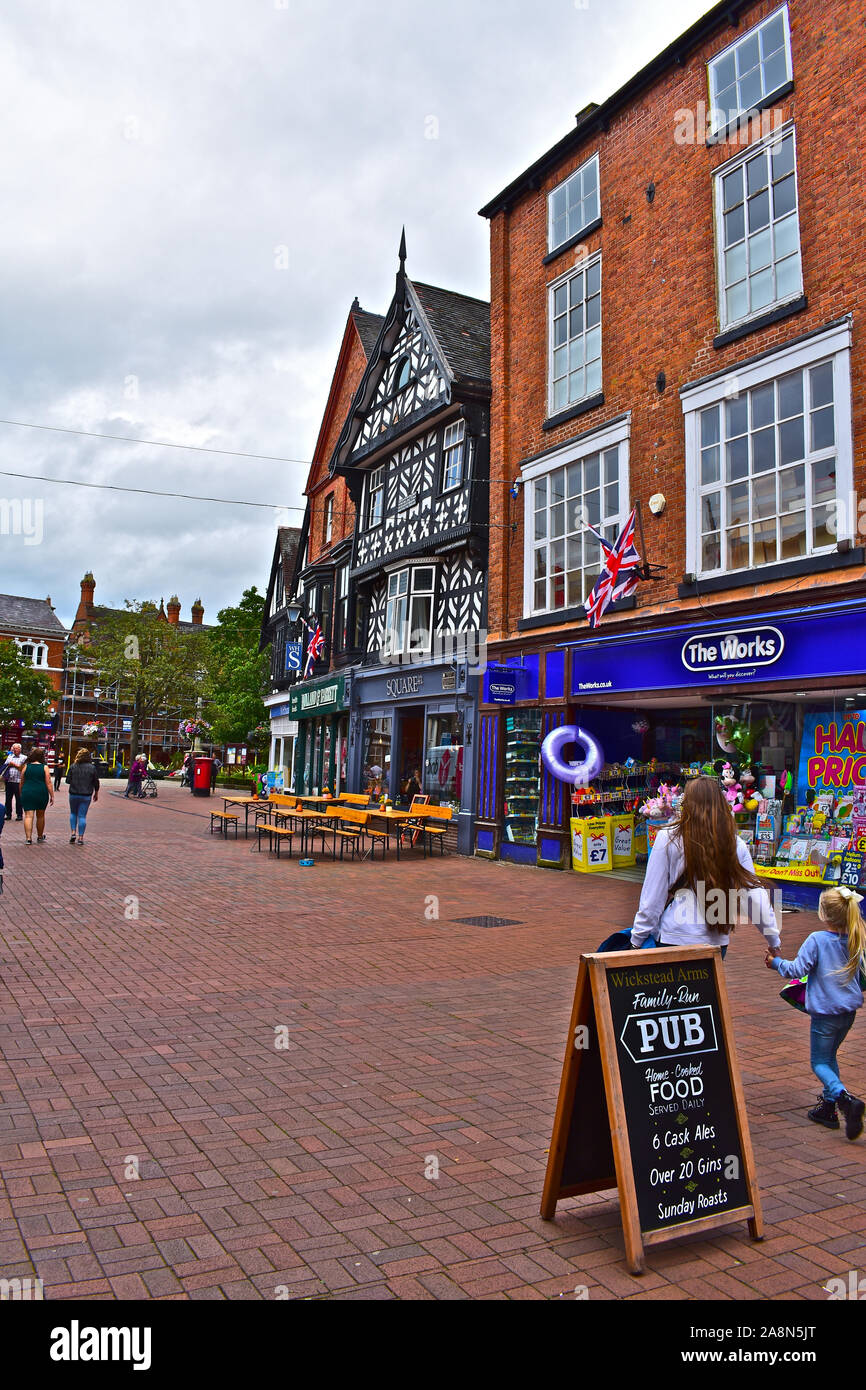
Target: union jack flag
x: 315, y: 647
x: 619, y: 575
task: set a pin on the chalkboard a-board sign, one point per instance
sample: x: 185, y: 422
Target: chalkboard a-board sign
x: 650, y: 1100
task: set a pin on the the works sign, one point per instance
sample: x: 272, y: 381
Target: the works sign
x: 822, y: 641
x: 719, y: 651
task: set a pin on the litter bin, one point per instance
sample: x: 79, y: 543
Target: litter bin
x: 201, y: 776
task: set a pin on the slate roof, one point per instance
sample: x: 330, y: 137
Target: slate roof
x: 100, y: 610
x: 30, y: 615
x: 462, y: 327
x: 368, y: 326
x: 289, y: 538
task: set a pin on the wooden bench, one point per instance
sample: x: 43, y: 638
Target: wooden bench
x: 350, y: 829
x: 223, y: 820
x: 429, y: 832
x: 276, y: 834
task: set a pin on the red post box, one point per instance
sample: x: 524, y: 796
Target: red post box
x: 201, y: 771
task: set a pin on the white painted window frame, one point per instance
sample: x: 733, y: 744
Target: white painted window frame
x: 715, y: 126
x: 576, y: 174
x: 405, y: 647
x: 382, y: 473
x: 581, y: 266
x: 835, y: 343
x: 605, y: 437
x: 741, y: 158
x: 459, y: 443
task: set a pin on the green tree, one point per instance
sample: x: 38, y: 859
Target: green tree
x: 24, y: 693
x: 157, y: 666
x: 237, y: 671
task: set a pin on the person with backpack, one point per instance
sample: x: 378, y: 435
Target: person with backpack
x: 700, y: 880
x: 83, y: 782
x: 832, y: 961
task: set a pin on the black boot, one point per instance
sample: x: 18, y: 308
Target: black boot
x: 852, y: 1109
x: 824, y: 1113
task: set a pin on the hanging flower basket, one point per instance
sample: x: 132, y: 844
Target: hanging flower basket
x: 94, y: 730
x: 194, y: 728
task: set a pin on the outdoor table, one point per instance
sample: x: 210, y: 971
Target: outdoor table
x: 392, y: 816
x: 246, y: 802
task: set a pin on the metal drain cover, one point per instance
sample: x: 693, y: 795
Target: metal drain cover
x: 489, y: 921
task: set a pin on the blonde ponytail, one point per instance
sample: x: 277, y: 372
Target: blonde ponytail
x: 856, y: 939
x: 841, y: 908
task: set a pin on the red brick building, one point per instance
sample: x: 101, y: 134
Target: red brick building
x: 312, y: 563
x: 678, y: 292
x: 87, y: 699
x: 39, y: 635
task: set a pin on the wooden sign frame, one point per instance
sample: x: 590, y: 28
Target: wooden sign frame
x: 592, y: 996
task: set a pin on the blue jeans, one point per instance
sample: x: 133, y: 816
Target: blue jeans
x: 78, y: 808
x: 828, y: 1033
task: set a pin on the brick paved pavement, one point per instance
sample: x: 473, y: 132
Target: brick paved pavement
x: 302, y: 1169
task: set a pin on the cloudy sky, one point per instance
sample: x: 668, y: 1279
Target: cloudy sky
x: 193, y: 192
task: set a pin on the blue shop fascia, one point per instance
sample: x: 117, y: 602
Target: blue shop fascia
x: 417, y: 723
x: 793, y: 673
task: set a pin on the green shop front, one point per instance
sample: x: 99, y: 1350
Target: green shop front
x: 321, y: 708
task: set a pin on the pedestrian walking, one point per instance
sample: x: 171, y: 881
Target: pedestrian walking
x: 136, y: 774
x: 36, y: 794
x: 83, y: 782
x: 11, y: 773
x: 2, y: 823
x: 700, y: 879
x: 832, y: 961
x: 58, y: 768
x: 215, y: 767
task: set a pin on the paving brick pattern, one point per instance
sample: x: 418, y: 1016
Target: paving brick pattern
x: 282, y: 1054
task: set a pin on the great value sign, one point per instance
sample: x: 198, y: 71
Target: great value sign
x: 820, y: 641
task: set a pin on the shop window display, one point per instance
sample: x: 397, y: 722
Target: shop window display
x: 376, y: 767
x: 522, y: 777
x: 443, y: 764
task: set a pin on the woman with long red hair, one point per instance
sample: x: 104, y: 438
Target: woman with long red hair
x: 700, y: 880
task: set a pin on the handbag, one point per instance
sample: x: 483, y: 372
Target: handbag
x: 794, y: 992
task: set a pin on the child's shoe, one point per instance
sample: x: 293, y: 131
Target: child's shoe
x: 852, y: 1109
x: 824, y: 1113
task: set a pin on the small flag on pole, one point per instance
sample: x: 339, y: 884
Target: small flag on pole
x: 619, y: 573
x: 314, y: 648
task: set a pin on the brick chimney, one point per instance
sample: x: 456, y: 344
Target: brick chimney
x: 173, y: 610
x: 197, y: 612
x: 85, y: 606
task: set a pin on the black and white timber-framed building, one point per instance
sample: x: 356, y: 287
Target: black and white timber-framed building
x: 414, y: 451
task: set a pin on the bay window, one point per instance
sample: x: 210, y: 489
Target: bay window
x: 409, y: 612
x: 583, y: 484
x: 768, y: 458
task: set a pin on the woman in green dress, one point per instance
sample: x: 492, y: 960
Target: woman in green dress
x: 36, y: 793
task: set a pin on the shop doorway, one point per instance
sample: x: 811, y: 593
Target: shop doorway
x: 411, y: 755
